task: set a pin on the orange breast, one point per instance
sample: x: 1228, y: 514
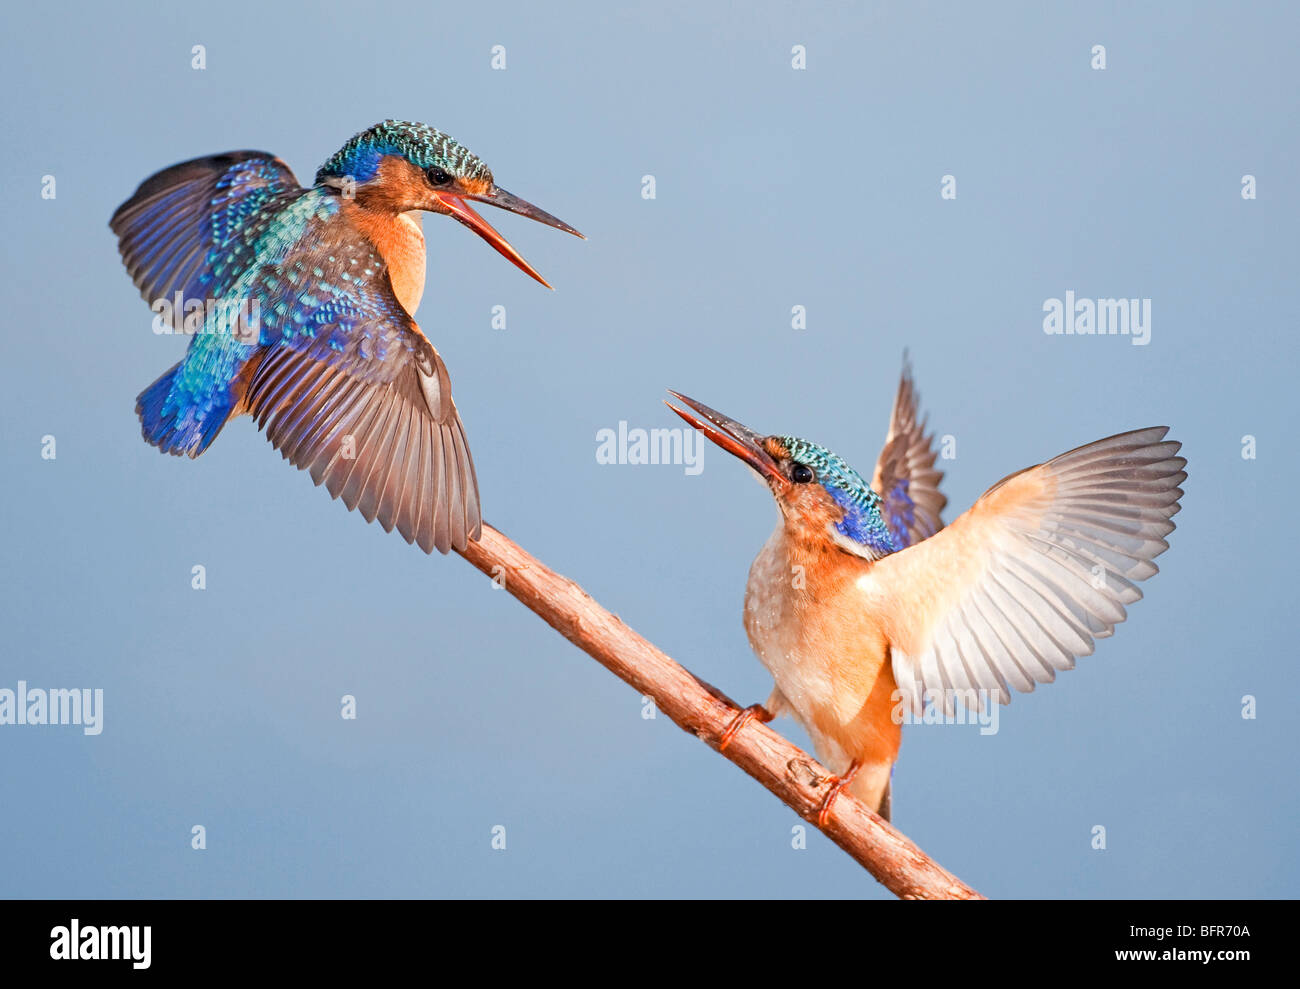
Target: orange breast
x: 810, y: 626
x: 399, y: 240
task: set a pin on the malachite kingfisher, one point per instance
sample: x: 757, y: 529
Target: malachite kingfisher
x: 301, y: 302
x: 864, y: 608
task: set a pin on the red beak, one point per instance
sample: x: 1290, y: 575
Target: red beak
x: 740, y: 441
x: 457, y: 206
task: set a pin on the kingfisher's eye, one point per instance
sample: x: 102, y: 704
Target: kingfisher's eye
x: 802, y: 474
x: 438, y: 176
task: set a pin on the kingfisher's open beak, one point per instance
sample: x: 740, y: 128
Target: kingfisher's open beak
x: 740, y: 441
x: 456, y: 205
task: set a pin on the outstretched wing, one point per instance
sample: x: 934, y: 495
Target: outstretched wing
x: 349, y: 388
x: 905, y: 476
x: 1041, y: 565
x: 190, y: 228
x: 342, y: 380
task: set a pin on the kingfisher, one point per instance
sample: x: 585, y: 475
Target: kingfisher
x: 301, y: 303
x: 866, y: 609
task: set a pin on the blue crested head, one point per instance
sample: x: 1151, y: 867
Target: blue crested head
x: 864, y: 521
x: 820, y: 496
x: 423, y: 146
x: 400, y: 167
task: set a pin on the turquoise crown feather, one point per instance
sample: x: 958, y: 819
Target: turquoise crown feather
x: 863, y: 522
x: 422, y: 145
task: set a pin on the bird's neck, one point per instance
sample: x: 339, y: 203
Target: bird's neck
x: 826, y: 518
x: 803, y: 569
x: 399, y: 240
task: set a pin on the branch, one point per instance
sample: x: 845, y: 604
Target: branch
x: 696, y: 707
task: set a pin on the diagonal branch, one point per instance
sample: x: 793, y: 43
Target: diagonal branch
x: 696, y: 707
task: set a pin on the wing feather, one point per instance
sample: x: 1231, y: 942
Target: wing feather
x: 367, y: 439
x: 170, y: 228
x: 1042, y: 565
x: 905, y: 476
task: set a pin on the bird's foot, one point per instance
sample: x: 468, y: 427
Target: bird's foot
x: 838, y: 783
x: 753, y: 712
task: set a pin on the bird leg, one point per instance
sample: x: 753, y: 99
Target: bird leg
x: 754, y: 711
x: 838, y: 783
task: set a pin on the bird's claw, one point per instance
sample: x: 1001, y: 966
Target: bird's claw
x: 742, y: 718
x: 838, y: 783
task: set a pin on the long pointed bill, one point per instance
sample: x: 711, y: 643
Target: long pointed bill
x: 465, y: 213
x: 501, y: 199
x: 740, y: 441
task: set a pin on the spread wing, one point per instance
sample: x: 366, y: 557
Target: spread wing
x: 905, y: 477
x: 349, y: 388
x: 187, y: 227
x: 342, y: 379
x: 1041, y: 566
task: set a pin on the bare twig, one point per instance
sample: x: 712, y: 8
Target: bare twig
x: 695, y: 706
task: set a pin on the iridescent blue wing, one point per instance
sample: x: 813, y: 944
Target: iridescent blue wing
x: 348, y: 388
x: 191, y: 237
x: 187, y: 228
x: 905, y: 477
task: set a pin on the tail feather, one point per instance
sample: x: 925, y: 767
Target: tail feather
x: 174, y: 423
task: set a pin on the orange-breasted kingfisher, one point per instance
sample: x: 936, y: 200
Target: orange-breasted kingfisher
x: 301, y: 302
x: 864, y: 608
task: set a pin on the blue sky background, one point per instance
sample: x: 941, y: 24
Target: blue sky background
x: 775, y: 188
